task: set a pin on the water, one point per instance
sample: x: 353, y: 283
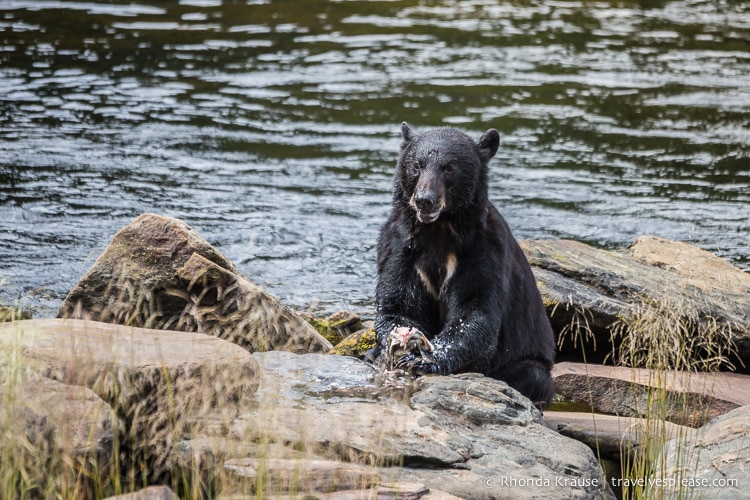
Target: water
x: 271, y: 127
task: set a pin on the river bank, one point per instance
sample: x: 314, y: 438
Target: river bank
x: 191, y: 409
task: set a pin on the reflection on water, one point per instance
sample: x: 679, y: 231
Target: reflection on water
x: 271, y: 126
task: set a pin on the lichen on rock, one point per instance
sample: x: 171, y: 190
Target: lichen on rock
x: 356, y: 344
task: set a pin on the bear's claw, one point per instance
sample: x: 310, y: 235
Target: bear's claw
x: 413, y: 363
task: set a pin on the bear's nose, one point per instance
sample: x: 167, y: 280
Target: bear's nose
x: 425, y: 202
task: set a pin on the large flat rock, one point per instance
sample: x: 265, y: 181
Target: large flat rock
x: 688, y: 398
x: 159, y: 383
x: 612, y: 437
x: 726, y: 386
x: 464, y: 435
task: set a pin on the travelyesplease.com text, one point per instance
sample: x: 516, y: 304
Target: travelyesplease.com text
x: 670, y: 482
x: 615, y: 482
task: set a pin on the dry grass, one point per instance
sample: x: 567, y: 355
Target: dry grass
x: 47, y: 453
x: 166, y: 423
x: 672, y: 339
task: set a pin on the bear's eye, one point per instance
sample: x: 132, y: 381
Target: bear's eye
x: 449, y: 168
x: 418, y: 165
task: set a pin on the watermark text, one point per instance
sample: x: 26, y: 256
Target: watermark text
x: 615, y: 482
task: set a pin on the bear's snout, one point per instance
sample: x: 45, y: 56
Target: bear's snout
x: 428, y: 203
x: 425, y: 202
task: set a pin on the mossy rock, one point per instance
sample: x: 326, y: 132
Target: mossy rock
x: 10, y: 313
x: 335, y: 327
x: 356, y: 344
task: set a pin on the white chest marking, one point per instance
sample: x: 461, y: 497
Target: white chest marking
x: 451, y: 262
x: 427, y: 282
x: 450, y: 267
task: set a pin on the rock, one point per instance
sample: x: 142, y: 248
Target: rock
x: 593, y: 294
x: 476, y: 399
x: 356, y: 344
x: 646, y: 408
x: 279, y: 474
x: 59, y: 436
x: 335, y: 327
x: 609, y: 436
x: 159, y: 273
x: 686, y: 398
x: 713, y: 464
x: 161, y: 384
x: 465, y: 435
x: 9, y: 313
x: 310, y: 427
x: 150, y: 493
x: 384, y: 491
x: 699, y: 268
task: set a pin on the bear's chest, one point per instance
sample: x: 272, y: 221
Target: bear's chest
x: 435, y: 272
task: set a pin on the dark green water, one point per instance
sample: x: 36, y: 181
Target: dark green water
x: 271, y: 127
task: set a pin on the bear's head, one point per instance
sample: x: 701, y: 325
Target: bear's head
x: 443, y: 171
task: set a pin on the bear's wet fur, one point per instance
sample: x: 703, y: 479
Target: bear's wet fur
x: 449, y: 266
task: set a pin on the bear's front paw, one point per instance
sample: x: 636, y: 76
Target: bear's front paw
x: 403, y: 341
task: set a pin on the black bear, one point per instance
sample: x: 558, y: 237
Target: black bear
x: 451, y: 273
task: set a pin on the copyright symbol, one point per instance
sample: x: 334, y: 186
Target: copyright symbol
x: 489, y: 482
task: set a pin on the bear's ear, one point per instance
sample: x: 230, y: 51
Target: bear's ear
x: 488, y: 144
x: 407, y: 133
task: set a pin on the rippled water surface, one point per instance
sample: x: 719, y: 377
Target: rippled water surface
x: 271, y: 127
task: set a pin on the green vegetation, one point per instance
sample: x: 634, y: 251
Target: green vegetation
x: 336, y: 327
x: 13, y: 313
x: 357, y: 344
